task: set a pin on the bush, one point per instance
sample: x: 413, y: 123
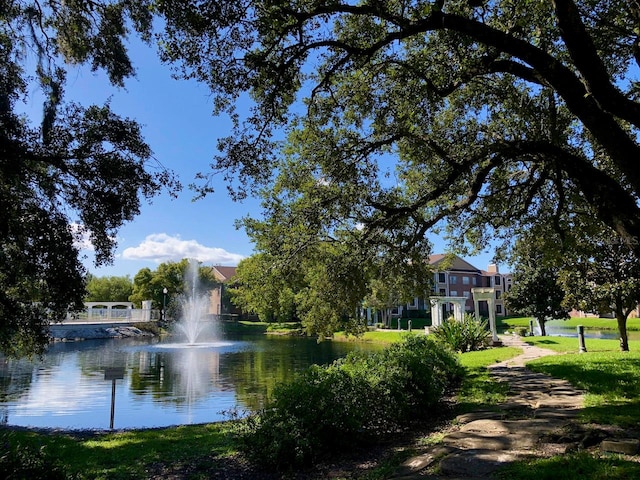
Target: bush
x: 351, y: 402
x: 27, y: 462
x: 466, y: 335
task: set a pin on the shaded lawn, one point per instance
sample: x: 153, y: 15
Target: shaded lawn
x: 610, y: 378
x: 478, y: 389
x: 575, y: 466
x: 132, y: 454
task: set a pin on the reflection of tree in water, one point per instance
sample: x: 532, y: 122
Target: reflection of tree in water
x: 16, y: 377
x: 257, y: 371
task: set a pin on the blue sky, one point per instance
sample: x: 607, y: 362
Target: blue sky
x: 178, y: 125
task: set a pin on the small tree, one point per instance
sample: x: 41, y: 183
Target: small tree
x: 260, y: 287
x: 536, y: 291
x: 605, y: 277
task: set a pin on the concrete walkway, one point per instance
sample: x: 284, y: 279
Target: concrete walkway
x: 483, y: 441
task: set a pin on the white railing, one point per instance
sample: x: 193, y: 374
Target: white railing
x: 96, y: 312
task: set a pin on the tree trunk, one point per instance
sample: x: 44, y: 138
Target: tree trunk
x: 622, y: 331
x: 543, y: 327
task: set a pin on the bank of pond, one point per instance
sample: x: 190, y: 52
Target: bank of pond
x: 303, y: 425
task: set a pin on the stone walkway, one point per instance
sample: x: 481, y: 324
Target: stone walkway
x: 484, y: 441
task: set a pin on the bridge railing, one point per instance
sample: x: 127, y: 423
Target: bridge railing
x: 128, y: 315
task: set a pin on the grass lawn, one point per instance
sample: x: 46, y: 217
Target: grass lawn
x: 510, y: 323
x: 131, y: 454
x: 478, y: 389
x: 611, y: 381
x: 610, y: 378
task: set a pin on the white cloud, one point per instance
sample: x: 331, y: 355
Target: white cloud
x: 81, y: 238
x: 160, y: 247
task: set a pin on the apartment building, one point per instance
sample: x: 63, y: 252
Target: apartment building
x: 455, y: 277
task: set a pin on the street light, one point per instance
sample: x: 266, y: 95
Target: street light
x: 164, y: 302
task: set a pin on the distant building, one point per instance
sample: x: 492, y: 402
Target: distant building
x: 455, y: 277
x: 219, y: 301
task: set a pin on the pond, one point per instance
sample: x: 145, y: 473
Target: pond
x: 588, y: 333
x: 162, y: 384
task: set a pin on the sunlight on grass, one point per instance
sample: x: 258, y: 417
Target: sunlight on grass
x: 611, y: 380
x: 576, y: 466
x: 571, y: 345
x: 478, y: 387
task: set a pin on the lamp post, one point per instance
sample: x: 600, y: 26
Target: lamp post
x: 164, y: 302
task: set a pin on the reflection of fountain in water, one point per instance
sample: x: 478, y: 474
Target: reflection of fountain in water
x: 197, y: 369
x: 195, y: 305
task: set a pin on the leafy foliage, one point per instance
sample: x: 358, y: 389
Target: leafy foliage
x: 78, y: 172
x: 149, y: 284
x: 20, y: 461
x: 603, y: 275
x: 536, y: 290
x: 475, y: 117
x: 260, y: 288
x: 466, y: 335
x: 108, y: 289
x: 355, y: 400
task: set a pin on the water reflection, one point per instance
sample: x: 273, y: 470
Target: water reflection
x: 163, y: 384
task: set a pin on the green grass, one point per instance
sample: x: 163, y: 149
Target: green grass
x: 575, y: 466
x: 611, y: 380
x: 633, y: 324
x: 133, y: 454
x: 571, y: 345
x: 509, y: 323
x: 478, y: 389
x: 377, y: 336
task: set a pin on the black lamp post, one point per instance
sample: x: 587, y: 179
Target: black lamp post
x: 164, y: 302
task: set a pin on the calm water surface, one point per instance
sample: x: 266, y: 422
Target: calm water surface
x: 164, y: 383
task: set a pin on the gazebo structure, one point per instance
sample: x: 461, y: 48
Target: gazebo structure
x: 436, y: 309
x: 487, y: 294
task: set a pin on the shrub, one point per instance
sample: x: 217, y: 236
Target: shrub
x: 466, y: 335
x: 19, y: 461
x: 353, y: 401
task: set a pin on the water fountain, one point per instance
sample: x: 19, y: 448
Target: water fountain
x: 194, y: 324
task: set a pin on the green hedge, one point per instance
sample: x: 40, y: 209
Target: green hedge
x: 355, y: 400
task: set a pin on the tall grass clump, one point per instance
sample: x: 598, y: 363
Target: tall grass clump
x: 356, y: 400
x: 466, y: 335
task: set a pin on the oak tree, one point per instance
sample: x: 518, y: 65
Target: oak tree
x: 71, y: 172
x: 375, y: 122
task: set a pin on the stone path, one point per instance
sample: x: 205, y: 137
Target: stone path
x: 484, y: 441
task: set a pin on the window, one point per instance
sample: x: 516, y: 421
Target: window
x: 443, y: 292
x: 498, y: 308
x: 454, y: 293
x: 414, y: 303
x: 474, y: 280
x: 453, y: 279
x: 465, y: 280
x: 498, y: 294
x: 441, y: 278
x: 466, y: 294
x: 497, y: 279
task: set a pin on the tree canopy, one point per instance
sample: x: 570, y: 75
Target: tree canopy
x: 75, y: 171
x: 603, y: 276
x: 401, y: 116
x: 108, y: 289
x: 175, y: 277
x: 536, y: 290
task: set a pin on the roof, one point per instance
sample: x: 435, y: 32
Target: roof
x: 223, y: 274
x: 452, y: 263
